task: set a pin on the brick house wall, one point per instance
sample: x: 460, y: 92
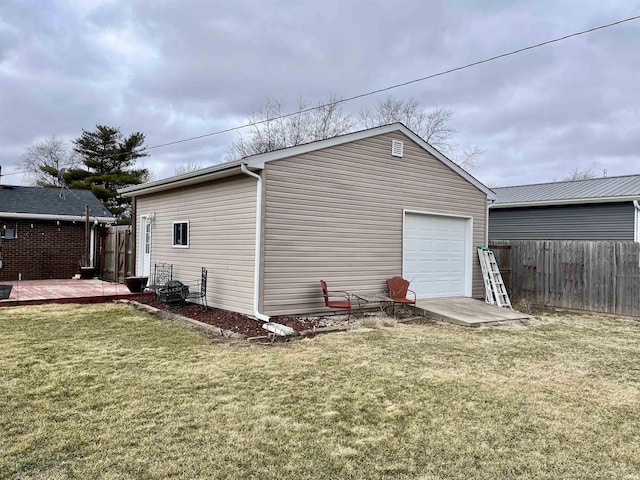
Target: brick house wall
x: 41, y: 250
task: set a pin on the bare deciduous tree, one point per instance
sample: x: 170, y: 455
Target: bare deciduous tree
x: 433, y: 126
x: 577, y: 174
x: 269, y: 131
x: 43, y: 160
x: 187, y: 168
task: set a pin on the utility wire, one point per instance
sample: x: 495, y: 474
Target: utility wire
x: 398, y: 85
x: 15, y: 172
x: 385, y: 89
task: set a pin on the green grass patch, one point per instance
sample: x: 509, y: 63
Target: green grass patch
x: 105, y: 391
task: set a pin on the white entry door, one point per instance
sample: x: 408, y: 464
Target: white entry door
x: 436, y: 255
x: 145, y: 246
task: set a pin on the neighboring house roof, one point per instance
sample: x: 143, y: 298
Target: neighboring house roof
x: 50, y: 204
x: 595, y: 190
x: 257, y: 162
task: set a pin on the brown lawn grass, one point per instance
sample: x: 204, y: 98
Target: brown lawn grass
x: 105, y: 391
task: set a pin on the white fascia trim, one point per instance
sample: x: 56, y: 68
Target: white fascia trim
x: 191, y: 178
x: 62, y: 218
x: 258, y: 161
x: 468, y: 256
x: 566, y: 201
x: 491, y: 195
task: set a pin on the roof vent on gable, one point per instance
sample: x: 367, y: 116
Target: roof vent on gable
x: 397, y: 148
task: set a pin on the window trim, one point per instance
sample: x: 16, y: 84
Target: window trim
x: 173, y: 233
x: 9, y: 236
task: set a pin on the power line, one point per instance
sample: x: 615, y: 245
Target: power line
x: 398, y: 85
x: 381, y: 90
x: 14, y: 173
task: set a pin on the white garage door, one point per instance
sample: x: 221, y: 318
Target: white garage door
x: 436, y: 255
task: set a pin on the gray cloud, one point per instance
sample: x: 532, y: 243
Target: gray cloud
x: 175, y: 70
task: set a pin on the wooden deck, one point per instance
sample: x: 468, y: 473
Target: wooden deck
x: 29, y: 292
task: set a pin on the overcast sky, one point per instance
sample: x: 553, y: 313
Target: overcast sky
x: 178, y: 69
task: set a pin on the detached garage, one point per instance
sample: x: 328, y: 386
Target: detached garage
x: 353, y: 210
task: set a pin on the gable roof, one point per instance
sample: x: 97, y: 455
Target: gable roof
x: 257, y: 162
x: 49, y: 204
x: 595, y: 190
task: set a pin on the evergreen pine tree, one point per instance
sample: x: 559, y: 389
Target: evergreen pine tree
x: 109, y: 159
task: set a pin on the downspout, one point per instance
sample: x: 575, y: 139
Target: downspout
x: 256, y: 272
x: 635, y: 223
x: 270, y: 326
x: 94, y: 243
x: 486, y: 224
x: 134, y: 231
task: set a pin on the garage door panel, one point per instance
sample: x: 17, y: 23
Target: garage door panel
x: 455, y: 286
x: 435, y: 254
x: 456, y: 246
x: 440, y: 289
x: 457, y: 265
x: 441, y: 246
x: 441, y: 266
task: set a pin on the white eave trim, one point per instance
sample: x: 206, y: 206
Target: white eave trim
x: 191, y: 178
x: 62, y: 218
x: 257, y: 162
x: 565, y: 201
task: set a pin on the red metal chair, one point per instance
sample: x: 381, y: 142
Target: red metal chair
x: 343, y: 304
x: 398, y: 290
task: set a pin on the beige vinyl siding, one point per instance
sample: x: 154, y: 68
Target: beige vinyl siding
x: 221, y: 217
x: 337, y: 214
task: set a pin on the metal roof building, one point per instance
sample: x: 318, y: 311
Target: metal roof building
x: 594, y: 209
x: 595, y: 190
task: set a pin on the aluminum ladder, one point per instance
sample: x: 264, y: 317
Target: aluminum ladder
x: 495, y: 293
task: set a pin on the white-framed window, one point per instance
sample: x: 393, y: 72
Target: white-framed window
x: 181, y: 234
x: 8, y: 232
x: 147, y: 237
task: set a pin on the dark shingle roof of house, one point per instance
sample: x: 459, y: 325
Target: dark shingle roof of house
x: 596, y: 189
x: 48, y: 201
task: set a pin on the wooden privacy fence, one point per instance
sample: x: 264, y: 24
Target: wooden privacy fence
x: 117, y: 253
x: 596, y: 276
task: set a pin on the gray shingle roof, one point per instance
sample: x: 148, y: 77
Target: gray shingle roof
x: 605, y: 189
x: 47, y: 201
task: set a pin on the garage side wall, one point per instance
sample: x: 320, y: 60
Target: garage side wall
x: 221, y: 218
x: 337, y: 214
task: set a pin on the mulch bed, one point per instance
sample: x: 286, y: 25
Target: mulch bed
x: 232, y: 321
